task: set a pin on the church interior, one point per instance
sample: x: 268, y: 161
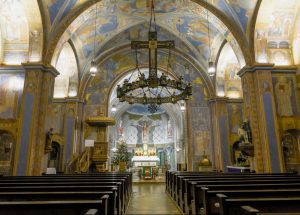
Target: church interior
x: 148, y: 90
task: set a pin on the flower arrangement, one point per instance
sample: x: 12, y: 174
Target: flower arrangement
x: 121, y: 155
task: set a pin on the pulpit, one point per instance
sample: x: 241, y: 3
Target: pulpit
x: 99, y: 153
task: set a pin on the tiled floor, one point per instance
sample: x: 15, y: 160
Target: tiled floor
x: 151, y: 198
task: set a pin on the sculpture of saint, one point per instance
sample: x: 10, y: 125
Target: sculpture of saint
x: 48, y: 146
x: 283, y: 92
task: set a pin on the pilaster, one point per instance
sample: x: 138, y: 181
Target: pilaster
x: 260, y: 110
x: 37, y: 95
x: 72, y: 127
x: 220, y: 130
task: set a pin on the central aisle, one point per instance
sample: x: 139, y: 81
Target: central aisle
x: 150, y: 198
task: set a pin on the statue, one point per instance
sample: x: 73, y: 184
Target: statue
x: 245, y: 141
x: 245, y: 133
x: 48, y: 146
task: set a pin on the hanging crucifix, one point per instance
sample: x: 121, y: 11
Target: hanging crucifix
x: 152, y: 44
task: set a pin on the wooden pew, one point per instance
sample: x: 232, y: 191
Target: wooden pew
x: 65, y: 207
x: 211, y: 204
x: 59, y: 196
x: 193, y: 187
x: 247, y: 210
x: 232, y: 206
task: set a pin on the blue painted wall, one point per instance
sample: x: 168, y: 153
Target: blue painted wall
x: 224, y: 142
x: 69, y: 138
x: 25, y: 136
x: 271, y: 132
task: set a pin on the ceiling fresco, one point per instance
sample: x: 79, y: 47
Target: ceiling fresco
x: 128, y: 19
x: 274, y: 31
x: 239, y: 10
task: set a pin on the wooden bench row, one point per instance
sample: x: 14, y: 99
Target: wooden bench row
x: 201, y: 193
x: 89, y: 194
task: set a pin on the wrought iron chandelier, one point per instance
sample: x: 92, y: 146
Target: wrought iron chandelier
x: 153, y: 90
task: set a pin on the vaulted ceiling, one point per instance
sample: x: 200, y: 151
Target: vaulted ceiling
x: 241, y: 31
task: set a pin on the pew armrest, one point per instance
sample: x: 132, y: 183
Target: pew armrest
x: 247, y: 210
x: 105, y: 199
x: 91, y: 212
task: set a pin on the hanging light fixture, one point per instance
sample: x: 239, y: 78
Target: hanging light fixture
x: 153, y: 90
x: 93, y: 68
x: 211, y: 67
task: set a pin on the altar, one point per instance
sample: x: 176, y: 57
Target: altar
x: 145, y: 161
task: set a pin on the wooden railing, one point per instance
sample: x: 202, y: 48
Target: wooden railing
x: 84, y: 162
x: 79, y: 164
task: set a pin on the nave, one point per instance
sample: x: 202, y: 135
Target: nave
x: 150, y: 198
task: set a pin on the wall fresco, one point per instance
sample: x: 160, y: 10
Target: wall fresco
x: 11, y: 89
x: 273, y: 32
x: 285, y: 95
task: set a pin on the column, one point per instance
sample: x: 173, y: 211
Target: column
x: 220, y: 131
x: 259, y: 106
x: 37, y: 95
x: 72, y: 127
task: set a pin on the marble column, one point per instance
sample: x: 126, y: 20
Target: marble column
x: 37, y: 95
x: 260, y: 110
x: 220, y: 130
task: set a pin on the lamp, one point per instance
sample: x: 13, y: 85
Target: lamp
x: 153, y: 90
x: 93, y: 68
x: 113, y: 108
x: 211, y: 67
x: 182, y: 107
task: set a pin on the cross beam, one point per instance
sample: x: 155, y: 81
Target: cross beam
x: 152, y: 44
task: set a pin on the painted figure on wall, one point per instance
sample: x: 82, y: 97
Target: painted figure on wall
x: 283, y: 92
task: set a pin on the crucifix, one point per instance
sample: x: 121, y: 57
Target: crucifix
x: 152, y: 44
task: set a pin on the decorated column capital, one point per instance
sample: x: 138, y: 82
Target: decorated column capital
x: 254, y: 68
x: 38, y: 66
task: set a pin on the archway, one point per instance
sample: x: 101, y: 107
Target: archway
x: 7, y: 151
x: 154, y: 140
x: 55, y: 156
x: 291, y: 150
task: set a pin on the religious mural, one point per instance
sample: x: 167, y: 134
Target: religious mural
x: 228, y: 82
x: 138, y: 126
x: 17, y: 24
x: 296, y: 41
x: 235, y: 119
x: 285, y: 95
x: 11, y: 88
x: 56, y: 118
x: 273, y: 31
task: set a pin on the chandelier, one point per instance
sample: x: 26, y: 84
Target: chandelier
x: 151, y: 89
